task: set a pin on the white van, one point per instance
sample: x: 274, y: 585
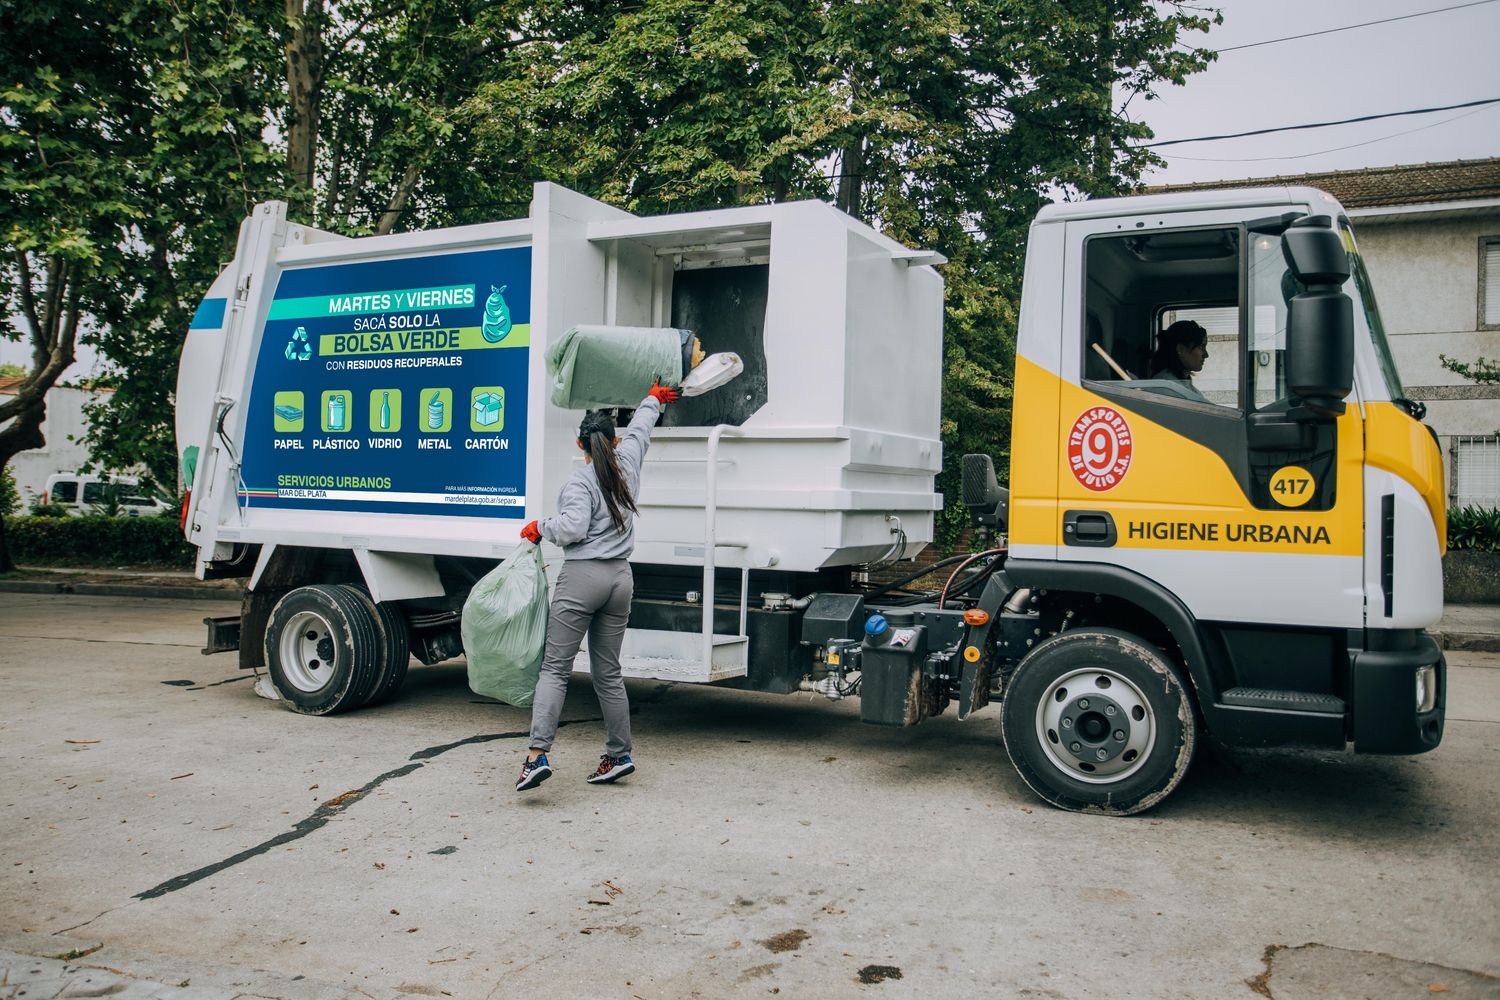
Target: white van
x: 86, y: 494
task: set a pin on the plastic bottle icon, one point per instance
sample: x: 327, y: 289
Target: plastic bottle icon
x: 435, y: 412
x: 496, y: 316
x: 385, y: 411
x: 336, y: 412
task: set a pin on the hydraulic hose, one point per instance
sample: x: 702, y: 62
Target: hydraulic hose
x: 908, y: 578
x: 943, y: 600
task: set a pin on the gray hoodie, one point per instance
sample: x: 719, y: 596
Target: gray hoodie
x: 582, y: 525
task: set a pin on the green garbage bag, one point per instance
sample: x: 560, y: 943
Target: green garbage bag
x: 595, y: 367
x: 505, y: 628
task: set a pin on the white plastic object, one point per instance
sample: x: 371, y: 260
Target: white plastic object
x: 712, y: 372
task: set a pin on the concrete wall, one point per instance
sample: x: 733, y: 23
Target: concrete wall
x: 63, y: 427
x: 1426, y: 276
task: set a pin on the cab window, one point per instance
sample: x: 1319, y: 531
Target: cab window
x: 1162, y: 315
x: 64, y: 491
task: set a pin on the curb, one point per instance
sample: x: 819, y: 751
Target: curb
x: 1470, y: 642
x: 118, y: 590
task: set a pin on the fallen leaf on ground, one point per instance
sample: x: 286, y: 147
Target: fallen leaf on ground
x: 1437, y: 988
x: 80, y: 742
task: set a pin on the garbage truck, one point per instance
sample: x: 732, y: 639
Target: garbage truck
x: 1248, y: 552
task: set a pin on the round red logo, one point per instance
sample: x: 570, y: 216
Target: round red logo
x: 1099, y: 448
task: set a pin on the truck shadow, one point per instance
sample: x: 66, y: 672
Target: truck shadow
x: 1320, y: 794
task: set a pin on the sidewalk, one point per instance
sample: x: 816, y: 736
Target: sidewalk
x: 120, y: 583
x: 1473, y: 627
x: 38, y: 966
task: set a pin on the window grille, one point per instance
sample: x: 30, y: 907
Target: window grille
x: 1476, y: 471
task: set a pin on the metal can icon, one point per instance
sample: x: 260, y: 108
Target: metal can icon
x: 435, y: 412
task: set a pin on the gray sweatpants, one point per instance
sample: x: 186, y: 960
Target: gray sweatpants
x: 592, y: 598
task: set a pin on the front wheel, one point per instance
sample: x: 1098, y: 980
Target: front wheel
x: 1099, y: 720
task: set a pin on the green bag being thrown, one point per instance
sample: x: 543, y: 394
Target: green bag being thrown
x: 505, y: 628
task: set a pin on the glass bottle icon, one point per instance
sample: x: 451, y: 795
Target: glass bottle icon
x: 385, y: 411
x: 435, y: 412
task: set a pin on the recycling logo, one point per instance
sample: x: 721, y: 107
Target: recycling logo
x: 496, y: 316
x: 298, y: 348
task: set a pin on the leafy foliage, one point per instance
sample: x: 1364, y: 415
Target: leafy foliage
x: 1481, y: 370
x: 136, y: 138
x: 10, y: 495
x: 100, y: 541
x: 1472, y: 527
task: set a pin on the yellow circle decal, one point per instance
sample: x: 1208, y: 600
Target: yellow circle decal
x: 972, y: 654
x: 1291, y: 486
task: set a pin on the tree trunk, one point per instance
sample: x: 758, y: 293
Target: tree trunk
x: 304, y: 79
x: 397, y: 205
x: 851, y: 183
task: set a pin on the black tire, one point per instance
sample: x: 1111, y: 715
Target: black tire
x: 393, y: 641
x: 1099, y: 720
x: 322, y: 650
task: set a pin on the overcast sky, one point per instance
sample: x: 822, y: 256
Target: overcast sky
x: 1419, y: 62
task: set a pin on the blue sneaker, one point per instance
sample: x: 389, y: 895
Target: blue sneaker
x: 612, y: 769
x: 533, y: 773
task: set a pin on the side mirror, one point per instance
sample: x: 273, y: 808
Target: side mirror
x: 1320, y: 318
x: 988, y: 502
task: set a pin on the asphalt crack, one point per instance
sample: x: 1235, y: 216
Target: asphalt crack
x: 326, y: 812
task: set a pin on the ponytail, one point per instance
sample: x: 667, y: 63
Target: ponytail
x: 597, y: 436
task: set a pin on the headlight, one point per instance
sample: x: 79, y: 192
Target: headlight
x: 1426, y: 688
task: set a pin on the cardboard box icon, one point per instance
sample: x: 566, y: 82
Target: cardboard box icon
x: 487, y: 407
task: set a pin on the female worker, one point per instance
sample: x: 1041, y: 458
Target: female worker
x: 595, y: 527
x: 1181, y: 350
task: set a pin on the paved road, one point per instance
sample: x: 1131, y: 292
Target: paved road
x: 201, y: 835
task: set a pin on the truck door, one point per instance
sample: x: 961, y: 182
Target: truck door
x: 1177, y: 466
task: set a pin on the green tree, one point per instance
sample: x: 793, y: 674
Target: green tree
x: 66, y: 124
x: 363, y: 93
x: 945, y: 123
x: 199, y: 163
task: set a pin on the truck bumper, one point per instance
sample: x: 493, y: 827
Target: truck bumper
x: 1387, y: 717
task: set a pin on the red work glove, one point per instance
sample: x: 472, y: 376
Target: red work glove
x: 664, y: 393
x: 532, y: 533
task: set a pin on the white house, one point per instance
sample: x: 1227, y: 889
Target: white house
x: 63, y: 427
x: 1430, y: 237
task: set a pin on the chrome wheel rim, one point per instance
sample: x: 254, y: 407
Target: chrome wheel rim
x: 307, y: 651
x: 1096, y: 725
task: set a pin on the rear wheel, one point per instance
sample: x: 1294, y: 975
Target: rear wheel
x: 1099, y: 720
x: 393, y: 643
x: 321, y: 650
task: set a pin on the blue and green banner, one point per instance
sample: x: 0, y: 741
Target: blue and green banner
x: 395, y: 386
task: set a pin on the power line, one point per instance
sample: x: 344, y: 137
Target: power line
x: 1342, y: 121
x: 1351, y: 27
x: 1321, y: 152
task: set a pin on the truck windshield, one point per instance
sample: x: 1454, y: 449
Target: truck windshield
x: 1370, y: 312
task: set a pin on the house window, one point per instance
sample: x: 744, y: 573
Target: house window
x: 1489, y: 283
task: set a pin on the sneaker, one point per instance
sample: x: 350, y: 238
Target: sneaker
x: 533, y: 773
x: 612, y: 769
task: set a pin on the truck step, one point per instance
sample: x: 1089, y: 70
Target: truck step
x: 1284, y: 701
x: 675, y: 656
